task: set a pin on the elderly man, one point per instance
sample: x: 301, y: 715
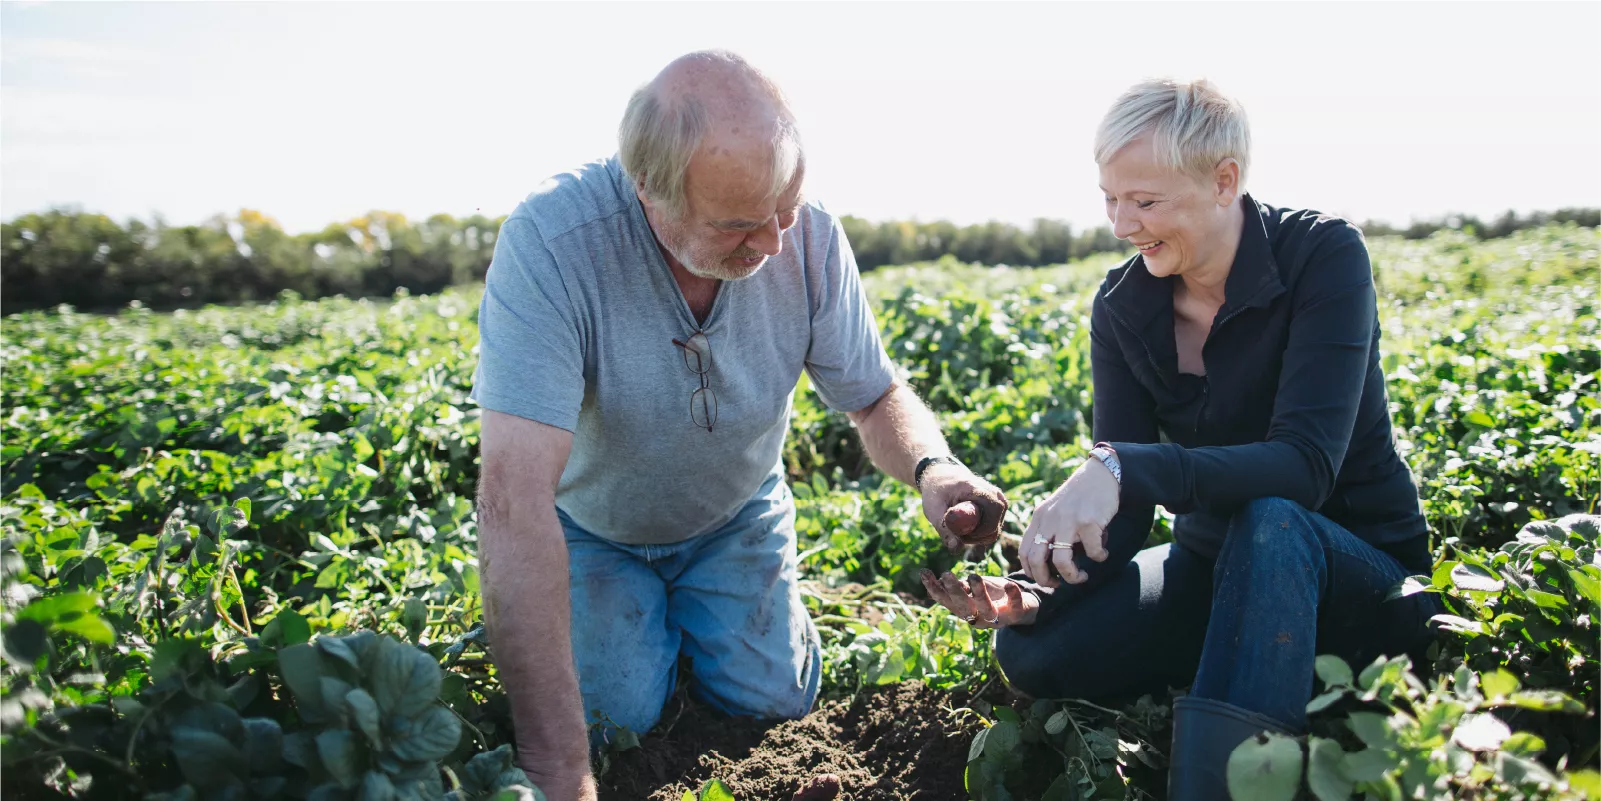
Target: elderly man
x: 645, y: 323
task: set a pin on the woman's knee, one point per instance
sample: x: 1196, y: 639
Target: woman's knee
x: 1053, y: 669
x: 1023, y: 662
x: 1266, y: 528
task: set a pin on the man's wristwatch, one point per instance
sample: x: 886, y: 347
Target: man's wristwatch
x: 1108, y: 457
x: 923, y: 464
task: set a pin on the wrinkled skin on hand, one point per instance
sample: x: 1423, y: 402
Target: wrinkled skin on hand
x: 965, y: 509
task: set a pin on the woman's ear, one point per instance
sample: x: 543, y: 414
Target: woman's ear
x: 1226, y: 181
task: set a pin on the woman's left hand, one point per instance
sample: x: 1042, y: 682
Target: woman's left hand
x: 1078, y: 512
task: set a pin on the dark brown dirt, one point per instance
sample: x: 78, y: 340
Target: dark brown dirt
x: 889, y: 743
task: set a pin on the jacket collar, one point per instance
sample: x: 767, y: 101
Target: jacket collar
x: 1145, y: 303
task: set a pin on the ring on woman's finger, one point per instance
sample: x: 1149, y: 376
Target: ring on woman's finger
x: 1039, y: 540
x: 972, y: 618
x: 994, y: 621
x: 1053, y: 546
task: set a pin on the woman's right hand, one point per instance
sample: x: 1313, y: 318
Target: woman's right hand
x: 986, y: 602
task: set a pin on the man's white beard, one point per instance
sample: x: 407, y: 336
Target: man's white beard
x: 721, y: 272
x: 718, y: 270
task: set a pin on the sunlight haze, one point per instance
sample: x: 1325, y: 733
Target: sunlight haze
x: 314, y: 113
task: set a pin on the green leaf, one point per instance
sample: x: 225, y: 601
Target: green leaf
x: 1003, y: 738
x: 1546, y: 701
x: 208, y: 761
x: 976, y: 749
x: 1479, y: 418
x: 1266, y: 767
x: 300, y: 748
x: 1063, y: 789
x: 1325, y: 772
x: 715, y: 790
x: 414, y: 616
x: 264, y: 744
x: 1498, y: 683
x: 1371, y: 727
x: 1587, y: 585
x: 177, y: 656
x: 488, y: 771
x: 1524, y: 744
x: 432, y: 736
x: 341, y: 755
x: 1481, y: 732
x: 689, y: 795
x: 1101, y: 743
x: 406, y: 679
x: 1325, y: 700
x: 302, y: 669
x: 1476, y: 579
x: 375, y: 786
x: 1333, y: 671
x: 93, y: 628
x: 1385, y: 789
x: 1367, y: 765
x: 1057, y: 722
x: 1546, y: 600
x: 1516, y: 770
x: 49, y: 608
x: 1411, y: 585
x: 364, y: 711
x: 292, y: 627
x: 1587, y: 782
x: 333, y: 693
x: 25, y: 642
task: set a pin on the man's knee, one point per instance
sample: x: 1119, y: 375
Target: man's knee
x: 608, y: 713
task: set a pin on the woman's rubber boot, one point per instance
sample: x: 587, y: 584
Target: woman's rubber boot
x: 1205, y: 733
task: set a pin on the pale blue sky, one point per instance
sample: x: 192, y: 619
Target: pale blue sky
x: 313, y: 113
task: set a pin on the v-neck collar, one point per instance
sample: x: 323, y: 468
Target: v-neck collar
x: 662, y: 270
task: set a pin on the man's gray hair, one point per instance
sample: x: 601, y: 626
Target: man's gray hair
x: 658, y: 137
x: 1193, y: 126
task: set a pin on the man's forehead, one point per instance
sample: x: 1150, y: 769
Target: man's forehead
x: 726, y: 186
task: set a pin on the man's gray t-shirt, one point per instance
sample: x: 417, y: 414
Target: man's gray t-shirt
x: 576, y: 331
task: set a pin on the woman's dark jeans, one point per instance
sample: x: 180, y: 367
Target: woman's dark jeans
x: 1287, y: 586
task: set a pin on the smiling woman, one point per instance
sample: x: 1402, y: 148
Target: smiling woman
x: 1237, y: 383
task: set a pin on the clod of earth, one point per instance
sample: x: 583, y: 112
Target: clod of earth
x: 821, y: 788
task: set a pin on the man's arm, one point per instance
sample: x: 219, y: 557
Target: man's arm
x: 527, y: 606
x: 898, y: 431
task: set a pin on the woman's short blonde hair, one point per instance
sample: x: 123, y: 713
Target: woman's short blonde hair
x: 1193, y: 126
x: 657, y: 138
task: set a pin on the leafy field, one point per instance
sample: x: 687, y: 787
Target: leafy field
x: 189, y: 498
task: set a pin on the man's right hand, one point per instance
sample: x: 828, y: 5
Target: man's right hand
x: 565, y: 787
x: 522, y: 557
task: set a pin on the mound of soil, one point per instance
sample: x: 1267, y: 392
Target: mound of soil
x: 895, y: 742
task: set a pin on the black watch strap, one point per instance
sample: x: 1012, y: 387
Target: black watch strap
x: 922, y: 464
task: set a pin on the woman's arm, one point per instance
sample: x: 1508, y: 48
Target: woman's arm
x: 1124, y: 412
x: 1320, y: 388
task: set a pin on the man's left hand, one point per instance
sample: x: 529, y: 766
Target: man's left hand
x: 966, y: 510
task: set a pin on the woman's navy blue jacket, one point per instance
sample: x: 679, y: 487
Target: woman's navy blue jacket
x: 1292, y: 405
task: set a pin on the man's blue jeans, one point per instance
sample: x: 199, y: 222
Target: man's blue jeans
x: 727, y: 599
x: 1287, y: 586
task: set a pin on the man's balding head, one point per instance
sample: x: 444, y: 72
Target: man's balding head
x: 717, y: 111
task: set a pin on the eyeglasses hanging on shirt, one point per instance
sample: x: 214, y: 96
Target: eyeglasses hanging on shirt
x: 698, y: 358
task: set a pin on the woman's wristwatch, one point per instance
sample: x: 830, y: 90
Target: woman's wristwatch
x: 1108, y: 457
